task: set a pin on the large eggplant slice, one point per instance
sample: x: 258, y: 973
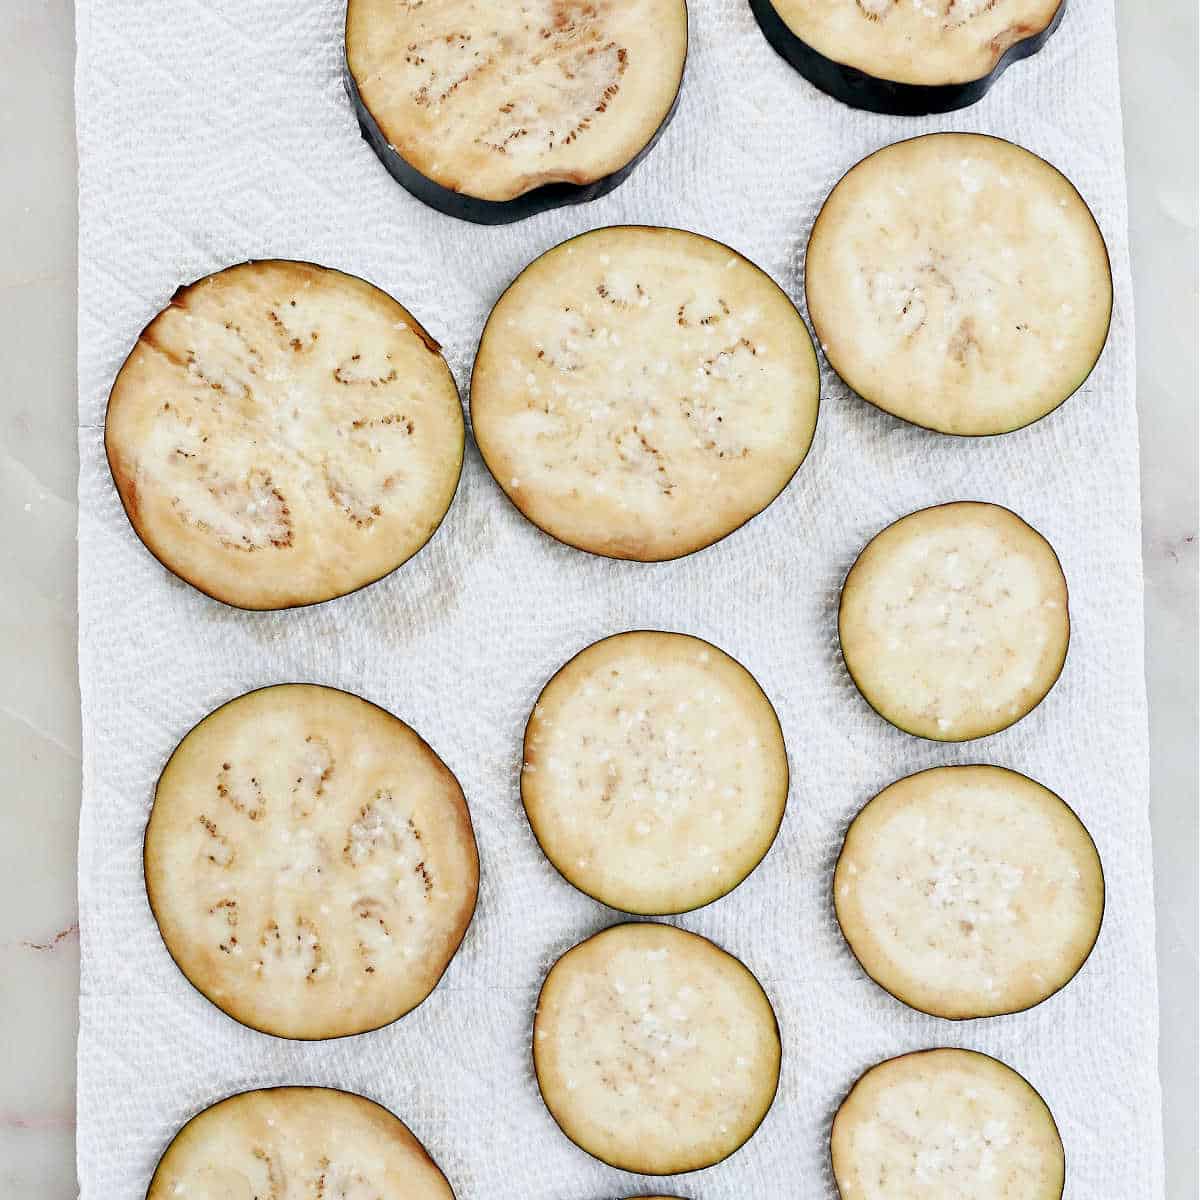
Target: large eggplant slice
x: 296, y: 1143
x: 969, y: 891
x: 283, y: 433
x: 493, y: 112
x: 906, y: 57
x: 960, y: 282
x: 655, y: 1051
x: 954, y: 621
x: 946, y: 1125
x: 310, y: 862
x: 655, y: 774
x: 642, y: 392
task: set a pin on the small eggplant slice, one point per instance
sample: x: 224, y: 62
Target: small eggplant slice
x: 655, y: 774
x: 906, y: 57
x: 959, y: 282
x: 946, y: 1125
x: 282, y: 434
x: 292, y: 1143
x: 641, y: 392
x: 969, y: 891
x: 655, y: 1051
x: 310, y: 862
x: 954, y: 621
x: 493, y: 112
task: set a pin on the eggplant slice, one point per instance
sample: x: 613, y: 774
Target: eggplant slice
x: 310, y: 862
x: 493, y: 112
x: 296, y: 1143
x: 906, y: 57
x: 641, y: 392
x: 969, y: 891
x: 655, y: 1051
x: 954, y: 621
x: 960, y: 282
x: 283, y: 433
x: 655, y: 774
x: 946, y: 1125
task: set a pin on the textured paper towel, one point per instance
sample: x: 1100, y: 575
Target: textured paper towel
x: 212, y: 131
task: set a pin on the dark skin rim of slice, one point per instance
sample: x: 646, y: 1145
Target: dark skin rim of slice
x: 786, y: 779
x: 640, y: 1170
x: 934, y: 1050
x: 149, y: 899
x: 704, y: 545
x: 1107, y: 262
x: 859, y: 89
x: 416, y: 327
x: 1049, y: 686
x: 494, y: 212
x: 290, y: 1087
x: 981, y: 1016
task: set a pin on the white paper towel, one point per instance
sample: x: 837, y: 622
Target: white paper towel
x: 212, y: 131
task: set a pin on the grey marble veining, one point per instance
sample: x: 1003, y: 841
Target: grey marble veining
x: 39, y: 725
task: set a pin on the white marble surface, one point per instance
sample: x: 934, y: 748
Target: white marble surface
x: 39, y: 727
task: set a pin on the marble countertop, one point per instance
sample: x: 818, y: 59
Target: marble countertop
x: 39, y: 721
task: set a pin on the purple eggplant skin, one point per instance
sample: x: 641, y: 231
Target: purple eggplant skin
x: 489, y: 212
x: 860, y: 90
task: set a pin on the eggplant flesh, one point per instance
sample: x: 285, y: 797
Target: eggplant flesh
x: 607, y: 1010
x: 494, y: 113
x: 310, y: 862
x: 859, y: 80
x: 949, y: 1125
x: 672, y: 809
x: 283, y: 433
x: 954, y: 621
x: 642, y: 392
x: 969, y: 891
x: 960, y: 282
x: 295, y: 1143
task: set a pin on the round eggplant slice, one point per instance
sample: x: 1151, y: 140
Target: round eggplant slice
x: 946, y: 1125
x: 493, y: 112
x: 959, y: 282
x: 294, y: 1143
x: 282, y: 434
x: 655, y: 1051
x: 310, y: 862
x: 969, y: 891
x: 641, y: 392
x: 655, y: 774
x: 954, y: 621
x: 906, y: 58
